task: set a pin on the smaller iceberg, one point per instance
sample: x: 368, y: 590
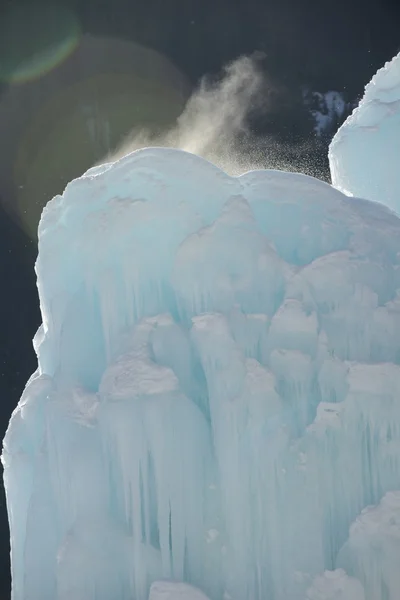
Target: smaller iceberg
x: 364, y: 154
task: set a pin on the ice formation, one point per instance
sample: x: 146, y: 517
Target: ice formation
x: 217, y: 392
x: 364, y: 154
x: 216, y: 410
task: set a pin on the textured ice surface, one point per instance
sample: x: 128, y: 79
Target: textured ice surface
x: 168, y: 590
x: 373, y: 548
x: 364, y: 154
x: 217, y: 397
x: 335, y: 585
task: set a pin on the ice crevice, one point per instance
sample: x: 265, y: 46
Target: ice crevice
x: 216, y: 410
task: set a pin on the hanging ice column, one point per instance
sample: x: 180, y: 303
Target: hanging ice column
x: 217, y: 398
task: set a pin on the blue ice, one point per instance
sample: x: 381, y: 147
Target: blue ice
x: 364, y: 154
x: 216, y: 409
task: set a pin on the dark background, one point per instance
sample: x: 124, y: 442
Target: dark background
x: 323, y: 45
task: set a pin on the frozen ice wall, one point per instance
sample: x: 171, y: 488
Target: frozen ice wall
x: 364, y: 154
x: 217, y: 394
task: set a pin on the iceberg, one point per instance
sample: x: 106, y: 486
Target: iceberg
x: 364, y: 153
x: 216, y: 409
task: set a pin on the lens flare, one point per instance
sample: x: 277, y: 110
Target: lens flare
x: 58, y: 125
x: 34, y: 39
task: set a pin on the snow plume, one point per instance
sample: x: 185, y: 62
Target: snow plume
x: 214, y: 123
x: 215, y: 115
